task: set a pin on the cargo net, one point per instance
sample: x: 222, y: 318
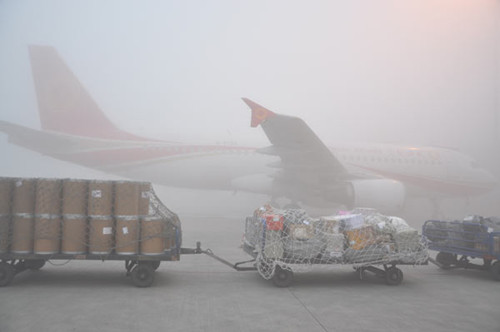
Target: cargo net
x: 73, y: 216
x: 472, y: 234
x: 293, y: 240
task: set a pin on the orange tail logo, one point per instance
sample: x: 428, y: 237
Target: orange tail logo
x: 259, y: 113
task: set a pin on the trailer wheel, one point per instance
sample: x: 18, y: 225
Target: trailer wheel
x: 282, y: 277
x: 143, y: 275
x: 393, y: 276
x: 7, y: 273
x: 34, y: 264
x: 446, y: 259
x: 495, y: 270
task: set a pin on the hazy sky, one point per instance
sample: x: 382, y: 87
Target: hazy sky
x: 416, y: 71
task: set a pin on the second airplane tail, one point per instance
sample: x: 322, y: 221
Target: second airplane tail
x: 64, y: 104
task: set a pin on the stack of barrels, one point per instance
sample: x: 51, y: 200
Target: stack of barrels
x: 71, y: 216
x: 5, y: 213
x: 23, y: 209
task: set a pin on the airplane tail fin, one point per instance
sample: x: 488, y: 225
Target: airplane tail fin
x: 64, y: 104
x: 259, y: 113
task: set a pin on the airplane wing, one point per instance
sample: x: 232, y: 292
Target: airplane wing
x: 306, y: 163
x: 293, y: 141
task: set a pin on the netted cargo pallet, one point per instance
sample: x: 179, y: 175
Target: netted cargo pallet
x: 457, y: 241
x: 47, y: 219
x: 287, y: 241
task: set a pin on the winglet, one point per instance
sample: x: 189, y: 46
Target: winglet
x: 259, y: 113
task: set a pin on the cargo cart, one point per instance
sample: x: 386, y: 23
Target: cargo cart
x: 457, y: 241
x: 45, y: 219
x: 140, y: 268
x: 276, y: 256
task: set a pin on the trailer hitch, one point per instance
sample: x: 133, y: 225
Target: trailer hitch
x: 210, y: 253
x: 192, y: 251
x: 235, y: 266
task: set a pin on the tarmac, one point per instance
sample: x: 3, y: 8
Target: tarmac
x: 199, y: 293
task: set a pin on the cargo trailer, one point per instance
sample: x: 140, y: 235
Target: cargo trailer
x: 282, y: 242
x: 73, y: 219
x: 459, y: 241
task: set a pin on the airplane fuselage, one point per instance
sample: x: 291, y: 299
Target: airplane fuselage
x: 423, y: 170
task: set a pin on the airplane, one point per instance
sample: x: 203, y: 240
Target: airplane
x: 364, y: 174
x: 297, y: 166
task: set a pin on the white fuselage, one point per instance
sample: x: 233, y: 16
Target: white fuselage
x: 423, y: 170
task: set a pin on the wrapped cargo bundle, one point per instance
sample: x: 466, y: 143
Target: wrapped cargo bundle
x: 394, y: 240
x: 365, y: 243
x: 334, y: 240
x: 291, y: 239
x: 74, y: 216
x: 471, y: 233
x: 301, y: 241
x: 273, y: 225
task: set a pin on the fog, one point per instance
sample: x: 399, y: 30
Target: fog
x: 421, y: 72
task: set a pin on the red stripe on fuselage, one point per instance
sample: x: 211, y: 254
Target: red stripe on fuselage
x: 114, y: 157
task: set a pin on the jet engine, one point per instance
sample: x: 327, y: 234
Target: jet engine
x: 381, y: 194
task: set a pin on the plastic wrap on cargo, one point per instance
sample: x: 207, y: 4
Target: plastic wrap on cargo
x: 293, y: 240
x: 303, y: 250
x: 473, y: 234
x: 76, y: 216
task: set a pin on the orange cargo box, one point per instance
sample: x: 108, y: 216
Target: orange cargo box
x: 359, y: 238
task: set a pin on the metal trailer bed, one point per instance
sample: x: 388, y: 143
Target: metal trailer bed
x: 282, y: 274
x: 140, y: 268
x: 466, y: 239
x: 283, y: 277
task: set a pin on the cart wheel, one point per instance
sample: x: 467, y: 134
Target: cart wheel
x: 446, y: 259
x: 495, y: 270
x: 34, y: 264
x: 143, y: 275
x: 7, y: 273
x: 155, y: 265
x: 393, y: 276
x: 282, y: 277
